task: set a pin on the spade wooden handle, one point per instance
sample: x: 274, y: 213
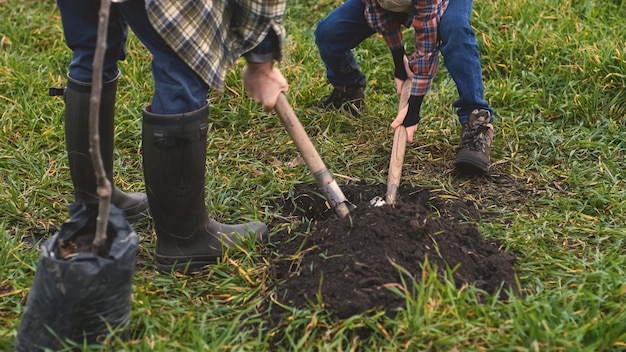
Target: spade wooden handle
x: 395, y: 164
x: 398, y: 149
x: 324, y: 179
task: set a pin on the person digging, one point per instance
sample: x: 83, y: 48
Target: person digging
x: 439, y: 26
x: 186, y: 63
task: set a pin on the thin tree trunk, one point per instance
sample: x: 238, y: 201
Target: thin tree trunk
x: 104, y: 186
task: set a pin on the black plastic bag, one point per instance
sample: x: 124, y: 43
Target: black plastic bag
x: 79, y: 296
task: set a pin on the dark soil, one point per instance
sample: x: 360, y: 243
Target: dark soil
x: 351, y: 263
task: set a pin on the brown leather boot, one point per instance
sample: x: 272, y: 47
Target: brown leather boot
x: 473, y: 152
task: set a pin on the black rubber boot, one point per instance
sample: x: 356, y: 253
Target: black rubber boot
x: 76, y: 96
x: 174, y: 159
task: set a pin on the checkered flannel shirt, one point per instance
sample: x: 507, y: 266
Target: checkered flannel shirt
x: 424, y: 61
x: 210, y: 35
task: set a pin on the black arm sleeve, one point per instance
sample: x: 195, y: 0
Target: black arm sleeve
x: 413, y: 113
x: 398, y: 63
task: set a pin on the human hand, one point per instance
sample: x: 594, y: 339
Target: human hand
x: 264, y: 83
x: 399, y: 120
x: 408, y: 111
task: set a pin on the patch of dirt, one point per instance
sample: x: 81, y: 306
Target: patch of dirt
x: 351, y: 262
x: 35, y: 236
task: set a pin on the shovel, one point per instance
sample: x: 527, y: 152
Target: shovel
x: 397, y: 151
x: 324, y: 179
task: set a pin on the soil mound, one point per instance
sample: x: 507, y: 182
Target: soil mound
x: 350, y: 263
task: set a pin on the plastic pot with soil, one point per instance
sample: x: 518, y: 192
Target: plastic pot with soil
x: 78, y: 296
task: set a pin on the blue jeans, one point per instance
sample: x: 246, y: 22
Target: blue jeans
x: 461, y: 57
x: 177, y: 88
x: 336, y: 35
x: 346, y: 27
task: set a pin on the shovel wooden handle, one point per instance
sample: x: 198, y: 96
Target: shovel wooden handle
x: 312, y: 159
x: 395, y: 164
x: 398, y: 149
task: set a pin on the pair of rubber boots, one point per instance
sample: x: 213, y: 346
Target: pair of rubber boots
x: 174, y: 156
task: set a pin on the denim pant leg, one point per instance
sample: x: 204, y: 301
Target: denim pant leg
x: 177, y: 88
x: 336, y: 35
x: 80, y: 27
x: 462, y: 59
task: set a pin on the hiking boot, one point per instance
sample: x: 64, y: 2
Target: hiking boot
x: 346, y: 98
x: 472, y: 154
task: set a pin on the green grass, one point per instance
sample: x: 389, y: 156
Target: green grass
x: 555, y: 71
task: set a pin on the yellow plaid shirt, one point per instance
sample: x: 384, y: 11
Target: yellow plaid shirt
x: 210, y: 35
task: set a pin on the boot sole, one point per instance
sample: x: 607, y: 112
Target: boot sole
x: 134, y: 217
x: 185, y: 266
x: 471, y: 166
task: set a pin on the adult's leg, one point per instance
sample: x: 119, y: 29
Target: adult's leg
x: 80, y: 24
x: 174, y: 135
x: 80, y: 27
x: 177, y: 88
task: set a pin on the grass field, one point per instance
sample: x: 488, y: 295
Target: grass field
x: 555, y: 72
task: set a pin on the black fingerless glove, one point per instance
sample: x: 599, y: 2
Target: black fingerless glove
x: 398, y: 63
x: 413, y: 113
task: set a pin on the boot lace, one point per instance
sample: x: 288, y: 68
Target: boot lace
x: 475, y: 135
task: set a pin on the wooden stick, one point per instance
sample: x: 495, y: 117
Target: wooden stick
x: 398, y: 149
x: 324, y: 179
x: 395, y: 164
x: 104, y: 185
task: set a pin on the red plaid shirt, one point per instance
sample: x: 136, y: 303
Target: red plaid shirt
x: 424, y: 62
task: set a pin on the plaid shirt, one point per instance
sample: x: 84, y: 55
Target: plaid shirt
x: 424, y: 62
x: 210, y: 35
